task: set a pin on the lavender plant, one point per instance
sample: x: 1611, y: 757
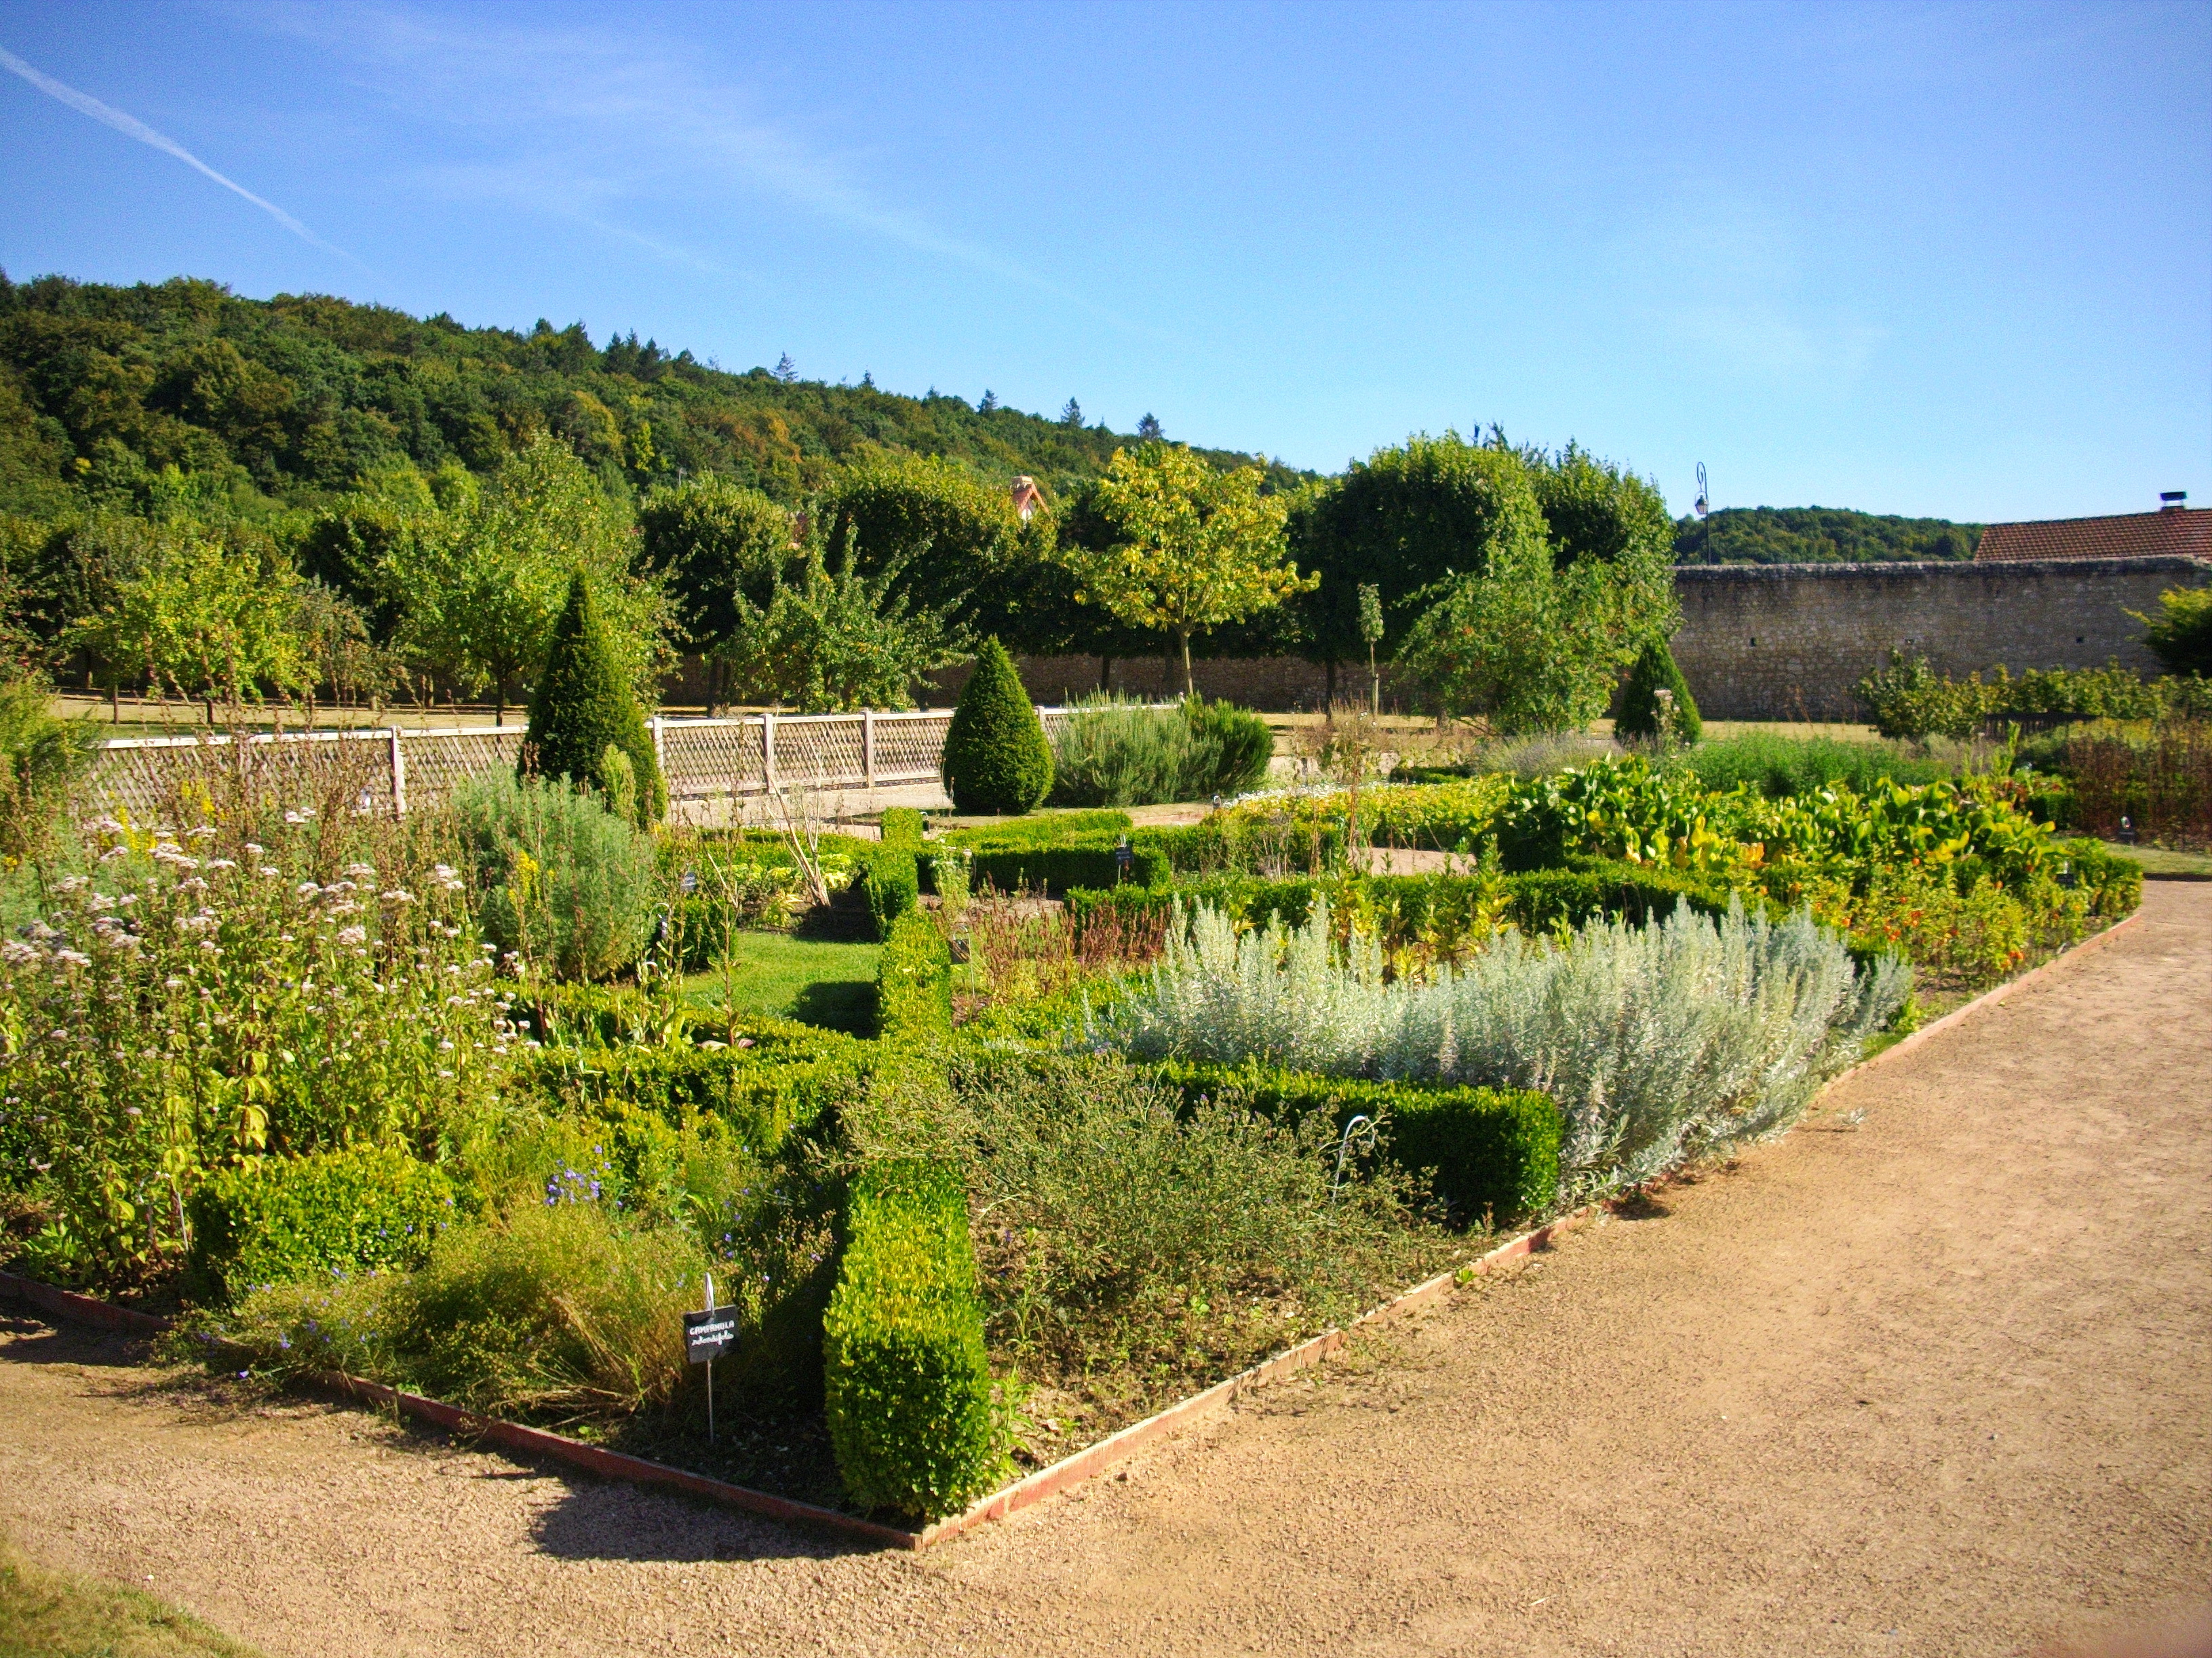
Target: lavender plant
x: 1659, y: 1043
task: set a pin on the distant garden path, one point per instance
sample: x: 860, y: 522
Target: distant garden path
x: 1932, y: 1381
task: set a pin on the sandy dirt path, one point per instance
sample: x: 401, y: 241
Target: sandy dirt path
x: 1930, y: 1379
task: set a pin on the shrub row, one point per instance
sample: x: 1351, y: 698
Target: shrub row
x: 286, y: 1219
x: 905, y: 1375
x: 1488, y: 1153
x: 1402, y: 906
x: 914, y: 983
x: 763, y: 1086
x: 1064, y: 868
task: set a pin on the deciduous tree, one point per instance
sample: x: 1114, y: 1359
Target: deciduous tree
x: 1194, y: 547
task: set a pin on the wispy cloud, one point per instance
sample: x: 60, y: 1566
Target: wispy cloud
x: 131, y: 127
x: 1724, y: 277
x: 602, y: 126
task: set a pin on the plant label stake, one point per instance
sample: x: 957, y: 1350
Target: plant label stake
x: 707, y: 1336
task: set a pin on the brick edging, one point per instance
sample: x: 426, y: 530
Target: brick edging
x: 1061, y: 1476
x: 511, y: 1436
x: 1094, y: 1460
x: 1992, y: 997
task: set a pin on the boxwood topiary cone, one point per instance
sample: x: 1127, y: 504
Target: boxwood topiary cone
x: 1655, y: 671
x: 583, y: 706
x: 996, y: 757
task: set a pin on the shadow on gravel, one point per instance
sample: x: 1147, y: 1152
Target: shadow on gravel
x: 26, y: 1339
x: 604, y: 1520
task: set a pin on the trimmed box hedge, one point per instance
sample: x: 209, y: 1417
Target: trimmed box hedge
x: 774, y: 1077
x: 901, y: 826
x: 284, y: 1220
x: 905, y: 1375
x: 914, y: 983
x: 893, y: 886
x: 1490, y: 1154
x: 1534, y: 903
x: 1065, y: 868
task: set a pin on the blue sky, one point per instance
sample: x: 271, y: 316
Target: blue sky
x: 1953, y: 261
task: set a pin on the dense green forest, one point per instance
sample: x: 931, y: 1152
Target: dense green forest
x: 1818, y: 535
x: 212, y: 497
x: 292, y: 398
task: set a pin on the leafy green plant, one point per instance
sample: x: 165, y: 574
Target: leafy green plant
x: 2180, y: 635
x: 906, y: 1378
x: 564, y: 886
x: 996, y: 757
x: 206, y: 999
x: 1778, y: 766
x: 913, y: 981
x: 286, y: 1220
x: 584, y: 710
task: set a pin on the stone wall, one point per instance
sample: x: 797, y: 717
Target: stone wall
x: 1789, y: 641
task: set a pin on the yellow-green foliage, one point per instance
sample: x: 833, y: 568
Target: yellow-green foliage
x: 913, y: 982
x: 284, y: 1220
x: 905, y: 1373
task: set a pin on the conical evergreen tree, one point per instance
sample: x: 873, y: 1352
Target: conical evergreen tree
x: 1656, y: 671
x: 584, y: 707
x: 996, y: 757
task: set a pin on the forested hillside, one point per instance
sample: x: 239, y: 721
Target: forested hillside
x: 295, y: 397
x: 209, y: 498
x: 1818, y: 535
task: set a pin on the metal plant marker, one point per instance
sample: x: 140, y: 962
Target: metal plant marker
x: 707, y: 1334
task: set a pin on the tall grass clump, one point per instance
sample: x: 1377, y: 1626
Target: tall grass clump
x: 558, y: 1311
x: 564, y: 884
x: 1658, y: 1043
x: 1778, y: 766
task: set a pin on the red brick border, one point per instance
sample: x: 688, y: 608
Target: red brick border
x: 1033, y: 1488
x: 1096, y: 1459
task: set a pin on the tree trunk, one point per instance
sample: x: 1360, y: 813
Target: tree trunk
x: 499, y: 703
x: 1105, y: 675
x: 1328, y: 694
x: 1189, y: 685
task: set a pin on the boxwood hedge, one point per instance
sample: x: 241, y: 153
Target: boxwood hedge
x: 905, y: 1375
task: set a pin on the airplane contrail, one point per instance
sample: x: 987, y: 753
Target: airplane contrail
x: 131, y: 127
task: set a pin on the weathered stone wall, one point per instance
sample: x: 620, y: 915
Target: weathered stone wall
x: 1790, y: 641
x: 1272, y: 682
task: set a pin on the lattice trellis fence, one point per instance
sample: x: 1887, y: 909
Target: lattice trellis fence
x: 149, y: 778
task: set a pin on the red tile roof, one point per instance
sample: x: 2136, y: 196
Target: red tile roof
x: 2182, y: 530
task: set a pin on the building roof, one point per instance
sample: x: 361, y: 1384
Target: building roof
x: 2181, y: 531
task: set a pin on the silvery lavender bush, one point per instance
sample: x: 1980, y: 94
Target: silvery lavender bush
x: 1658, y: 1043
x: 1283, y: 997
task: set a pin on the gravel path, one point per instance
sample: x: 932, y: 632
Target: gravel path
x: 1928, y: 1379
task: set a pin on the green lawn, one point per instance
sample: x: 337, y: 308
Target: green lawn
x: 822, y: 983
x: 2157, y: 860
x: 55, y: 1615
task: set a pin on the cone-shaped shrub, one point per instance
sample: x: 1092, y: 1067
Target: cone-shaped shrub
x: 1656, y: 671
x: 996, y: 757
x: 583, y: 708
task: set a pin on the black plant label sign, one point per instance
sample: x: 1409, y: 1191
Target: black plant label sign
x: 708, y: 1336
